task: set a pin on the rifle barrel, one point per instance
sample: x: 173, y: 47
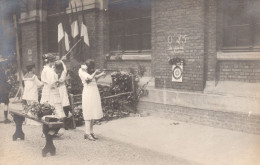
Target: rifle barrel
x: 108, y: 70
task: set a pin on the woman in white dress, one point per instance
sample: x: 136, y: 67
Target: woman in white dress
x: 55, y: 92
x: 49, y: 61
x: 91, y: 101
x: 30, y: 93
x: 61, y: 71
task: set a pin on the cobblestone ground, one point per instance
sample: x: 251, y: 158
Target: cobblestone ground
x: 72, y: 149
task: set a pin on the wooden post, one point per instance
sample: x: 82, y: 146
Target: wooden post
x: 134, y: 92
x: 18, y: 58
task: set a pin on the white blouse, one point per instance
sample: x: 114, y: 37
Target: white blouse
x: 31, y: 88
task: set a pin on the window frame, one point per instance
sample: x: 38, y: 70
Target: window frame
x: 221, y: 23
x: 139, y: 34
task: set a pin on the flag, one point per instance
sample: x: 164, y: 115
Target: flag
x: 74, y: 29
x: 67, y: 42
x: 76, y: 49
x: 61, y: 39
x: 63, y: 30
x: 84, y: 33
x: 60, y: 32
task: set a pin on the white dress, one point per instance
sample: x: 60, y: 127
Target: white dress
x: 91, y: 102
x: 46, y: 88
x: 55, y: 97
x: 31, y: 85
x: 30, y: 94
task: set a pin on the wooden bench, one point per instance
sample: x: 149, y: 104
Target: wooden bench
x: 19, y: 117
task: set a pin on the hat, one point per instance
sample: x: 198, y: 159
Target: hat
x: 90, y: 63
x: 48, y: 57
x: 51, y: 57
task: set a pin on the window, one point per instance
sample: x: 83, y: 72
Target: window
x: 130, y: 25
x: 241, y: 25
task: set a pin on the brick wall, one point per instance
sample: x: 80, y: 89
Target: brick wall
x: 30, y: 40
x: 102, y: 37
x: 178, y: 18
x: 221, y: 119
x: 210, y: 39
x: 245, y: 71
x: 235, y: 70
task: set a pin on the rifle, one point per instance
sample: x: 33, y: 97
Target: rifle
x: 105, y: 70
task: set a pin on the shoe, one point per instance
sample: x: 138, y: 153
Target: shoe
x: 6, y: 121
x: 89, y: 137
x: 57, y: 135
x: 94, y: 136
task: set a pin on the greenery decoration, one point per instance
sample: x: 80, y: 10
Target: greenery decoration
x: 39, y: 110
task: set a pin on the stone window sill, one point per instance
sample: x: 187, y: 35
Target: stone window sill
x: 132, y: 57
x: 236, y: 56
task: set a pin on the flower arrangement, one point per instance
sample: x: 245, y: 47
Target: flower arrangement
x: 39, y: 110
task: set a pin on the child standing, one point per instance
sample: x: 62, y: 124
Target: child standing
x: 31, y: 85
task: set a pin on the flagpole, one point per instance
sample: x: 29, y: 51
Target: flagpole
x: 73, y: 47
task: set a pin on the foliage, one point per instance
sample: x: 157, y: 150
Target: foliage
x: 114, y: 106
x: 78, y: 116
x: 121, y: 82
x: 10, y: 69
x: 39, y: 110
x: 120, y: 106
x: 73, y: 83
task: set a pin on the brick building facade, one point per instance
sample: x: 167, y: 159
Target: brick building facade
x: 217, y: 39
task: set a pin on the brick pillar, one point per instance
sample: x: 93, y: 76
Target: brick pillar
x: 181, y: 25
x: 33, y: 39
x: 102, y: 36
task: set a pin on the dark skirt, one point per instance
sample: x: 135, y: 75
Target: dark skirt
x: 4, y: 99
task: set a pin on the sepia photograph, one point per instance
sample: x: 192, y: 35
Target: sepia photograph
x: 129, y: 82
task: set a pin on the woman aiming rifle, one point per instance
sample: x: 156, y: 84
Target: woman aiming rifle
x: 91, y: 101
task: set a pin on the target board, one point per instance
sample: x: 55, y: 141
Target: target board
x: 177, y: 72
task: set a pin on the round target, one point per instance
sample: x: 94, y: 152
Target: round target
x: 177, y: 72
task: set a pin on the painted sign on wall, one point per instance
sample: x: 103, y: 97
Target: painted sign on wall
x: 29, y: 55
x: 176, y: 43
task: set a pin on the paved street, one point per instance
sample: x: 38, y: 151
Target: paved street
x: 72, y: 149
x: 134, y: 140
